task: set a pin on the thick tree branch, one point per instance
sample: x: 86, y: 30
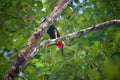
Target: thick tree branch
x: 23, y: 57
x: 74, y: 34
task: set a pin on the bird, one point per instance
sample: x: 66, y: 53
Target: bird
x: 54, y: 34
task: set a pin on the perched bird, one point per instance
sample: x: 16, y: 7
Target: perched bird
x: 54, y: 34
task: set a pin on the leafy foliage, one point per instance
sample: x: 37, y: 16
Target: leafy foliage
x: 94, y: 56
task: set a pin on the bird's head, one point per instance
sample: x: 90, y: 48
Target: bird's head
x: 61, y: 45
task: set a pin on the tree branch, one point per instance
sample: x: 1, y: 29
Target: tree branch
x: 89, y: 29
x: 23, y: 57
x: 74, y: 34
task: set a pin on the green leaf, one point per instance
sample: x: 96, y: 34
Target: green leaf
x: 68, y: 11
x: 10, y: 25
x: 34, y: 60
x: 39, y: 64
x: 38, y: 5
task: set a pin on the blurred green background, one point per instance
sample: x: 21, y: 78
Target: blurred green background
x: 94, y: 56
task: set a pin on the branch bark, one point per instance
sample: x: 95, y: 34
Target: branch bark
x: 74, y: 34
x: 24, y: 55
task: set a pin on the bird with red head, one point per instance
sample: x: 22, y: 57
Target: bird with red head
x: 54, y: 34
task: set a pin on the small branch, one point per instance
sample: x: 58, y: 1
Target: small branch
x: 89, y: 29
x: 74, y: 34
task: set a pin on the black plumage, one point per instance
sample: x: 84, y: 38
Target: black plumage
x: 51, y: 32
